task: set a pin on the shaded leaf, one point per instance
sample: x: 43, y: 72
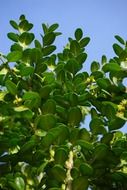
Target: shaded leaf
x: 11, y: 87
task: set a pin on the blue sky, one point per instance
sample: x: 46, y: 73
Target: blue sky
x: 99, y: 19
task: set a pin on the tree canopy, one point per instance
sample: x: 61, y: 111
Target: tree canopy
x: 44, y: 99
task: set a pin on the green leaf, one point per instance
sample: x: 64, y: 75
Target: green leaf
x: 22, y: 17
x: 36, y: 55
x: 32, y: 99
x: 11, y: 87
x: 78, y: 34
x: 95, y: 66
x: 101, y: 151
x: 104, y: 83
x: 61, y: 156
x: 111, y: 67
x: 26, y: 38
x: 48, y: 39
x: 46, y: 122
x: 53, y: 27
x: 59, y: 173
x: 97, y: 126
x: 72, y: 66
x: 120, y: 39
x: 20, y: 184
x: 84, y: 42
x: 109, y: 109
x: 103, y: 59
x: 74, y: 47
x: 117, y: 49
x: 116, y: 123
x: 86, y: 169
x: 16, y: 47
x: 49, y: 107
x: 37, y: 44
x: 85, y: 144
x: 14, y: 24
x: 2, y: 95
x: 81, y: 58
x: 21, y: 108
x: 26, y: 70
x: 14, y: 56
x: 45, y: 91
x: 25, y: 26
x: 28, y: 146
x: 45, y: 28
x: 48, y: 50
x: 80, y: 183
x: 14, y: 37
x: 74, y: 116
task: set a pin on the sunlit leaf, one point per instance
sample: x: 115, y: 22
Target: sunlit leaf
x: 14, y: 56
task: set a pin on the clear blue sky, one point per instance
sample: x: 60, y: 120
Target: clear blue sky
x: 99, y: 19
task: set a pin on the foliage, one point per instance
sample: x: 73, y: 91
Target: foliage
x: 44, y: 99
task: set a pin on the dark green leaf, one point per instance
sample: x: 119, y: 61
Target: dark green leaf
x: 49, y: 107
x: 14, y: 24
x: 85, y: 144
x: 80, y: 183
x: 120, y: 39
x: 59, y: 173
x: 60, y: 156
x: 117, y: 49
x: 72, y: 66
x: 25, y: 26
x: 16, y: 47
x: 74, y: 116
x: 111, y: 67
x: 74, y: 47
x: 48, y: 39
x: 53, y: 27
x: 84, y: 42
x: 97, y: 126
x: 103, y: 59
x: 37, y: 44
x: 14, y: 37
x: 11, y: 86
x: 45, y: 28
x: 14, y: 56
x: 104, y: 83
x: 26, y: 38
x: 78, y: 34
x: 48, y: 50
x: 86, y: 169
x: 116, y: 123
x: 95, y: 66
x: 81, y: 58
x: 22, y: 17
x: 46, y: 122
